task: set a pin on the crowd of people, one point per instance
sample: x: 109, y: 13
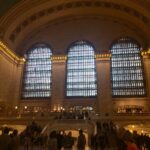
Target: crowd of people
x: 74, y: 115
x: 60, y: 140
x: 31, y: 138
x: 9, y: 142
x: 107, y: 137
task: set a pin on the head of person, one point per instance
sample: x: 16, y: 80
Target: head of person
x: 127, y: 138
x: 15, y: 132
x: 80, y: 131
x: 53, y: 134
x: 6, y: 130
x: 70, y: 134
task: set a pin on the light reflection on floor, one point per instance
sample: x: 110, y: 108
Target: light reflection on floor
x: 20, y: 128
x: 140, y: 128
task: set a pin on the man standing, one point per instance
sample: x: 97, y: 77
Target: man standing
x: 81, y: 141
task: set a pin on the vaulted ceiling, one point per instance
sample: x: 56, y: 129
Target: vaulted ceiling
x: 5, y: 5
x: 21, y: 20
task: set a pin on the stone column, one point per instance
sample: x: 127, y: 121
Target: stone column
x: 18, y: 82
x: 146, y: 63
x: 58, y: 84
x: 104, y: 98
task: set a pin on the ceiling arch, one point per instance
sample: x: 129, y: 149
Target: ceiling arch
x: 24, y: 19
x: 5, y: 5
x: 97, y: 29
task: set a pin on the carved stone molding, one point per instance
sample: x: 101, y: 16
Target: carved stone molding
x: 75, y: 5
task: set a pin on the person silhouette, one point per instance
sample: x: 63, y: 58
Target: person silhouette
x: 81, y: 141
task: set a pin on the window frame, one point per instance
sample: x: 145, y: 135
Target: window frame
x: 32, y: 48
x: 142, y: 68
x: 68, y: 50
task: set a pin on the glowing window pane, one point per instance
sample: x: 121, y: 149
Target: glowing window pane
x: 81, y: 70
x: 127, y: 69
x: 37, y: 77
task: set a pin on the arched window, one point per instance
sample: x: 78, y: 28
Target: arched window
x: 127, y: 69
x: 37, y: 75
x: 81, y: 70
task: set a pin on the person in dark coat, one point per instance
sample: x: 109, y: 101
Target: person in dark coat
x: 5, y: 140
x: 81, y: 142
x: 52, y: 142
x: 68, y: 142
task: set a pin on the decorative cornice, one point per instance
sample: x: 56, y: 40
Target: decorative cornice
x: 145, y: 52
x: 73, y: 5
x: 9, y: 54
x: 144, y: 3
x: 101, y: 56
x: 59, y: 58
x: 55, y: 58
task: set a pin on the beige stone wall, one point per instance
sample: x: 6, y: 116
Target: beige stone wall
x: 103, y: 103
x: 147, y: 74
x: 59, y: 35
x: 62, y: 33
x: 58, y: 84
x: 100, y: 24
x: 17, y: 82
x: 147, y: 79
x: 59, y: 98
x: 104, y: 99
x: 10, y: 75
x: 143, y: 101
x: 21, y: 25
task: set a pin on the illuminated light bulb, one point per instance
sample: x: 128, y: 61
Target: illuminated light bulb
x: 23, y: 59
x: 142, y: 131
x: 16, y: 107
x: 58, y: 109
x: 131, y: 131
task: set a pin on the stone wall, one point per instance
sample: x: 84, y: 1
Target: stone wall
x: 10, y: 75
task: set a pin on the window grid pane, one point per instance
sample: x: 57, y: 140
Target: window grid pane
x: 81, y: 72
x: 37, y: 78
x: 127, y: 69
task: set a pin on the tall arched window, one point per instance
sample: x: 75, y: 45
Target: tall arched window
x: 127, y: 69
x: 81, y: 70
x: 37, y: 75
